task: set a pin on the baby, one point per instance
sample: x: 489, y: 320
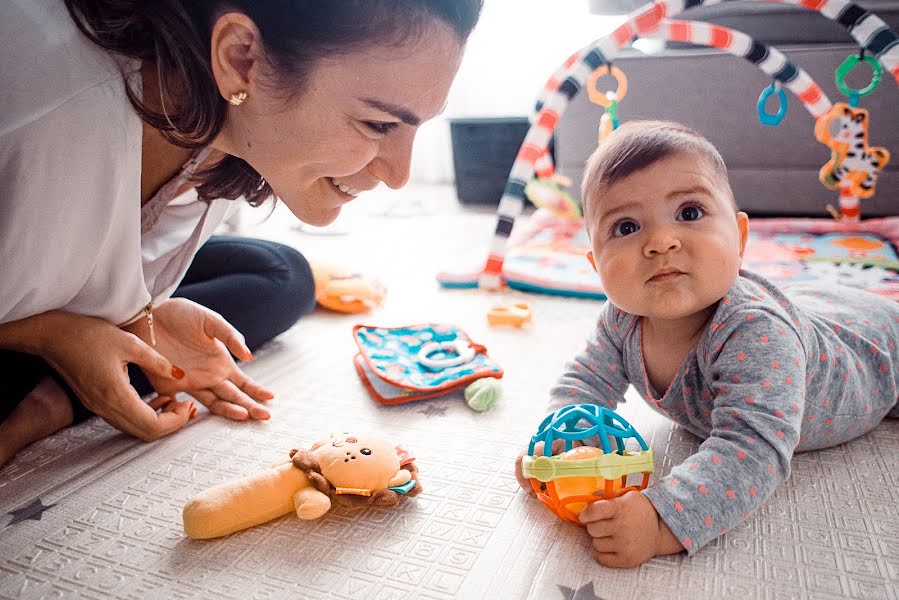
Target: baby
x: 757, y: 373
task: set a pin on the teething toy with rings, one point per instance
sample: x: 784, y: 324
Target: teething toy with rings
x: 567, y: 482
x: 416, y: 362
x: 463, y: 351
x: 608, y: 100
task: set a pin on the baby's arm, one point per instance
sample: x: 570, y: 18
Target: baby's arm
x: 596, y: 375
x: 757, y: 366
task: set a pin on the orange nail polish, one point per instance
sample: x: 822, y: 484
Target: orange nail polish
x: 177, y: 372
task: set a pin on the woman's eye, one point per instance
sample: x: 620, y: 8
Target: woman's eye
x: 381, y: 127
x: 365, y: 451
x: 626, y: 228
x: 690, y: 213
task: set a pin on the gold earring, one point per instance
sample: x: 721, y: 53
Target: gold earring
x: 238, y: 98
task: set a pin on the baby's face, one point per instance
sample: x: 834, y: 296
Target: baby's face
x: 666, y: 241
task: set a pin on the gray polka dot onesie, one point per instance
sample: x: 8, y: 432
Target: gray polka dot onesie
x: 773, y: 374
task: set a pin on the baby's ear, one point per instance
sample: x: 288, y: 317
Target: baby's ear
x: 743, y: 227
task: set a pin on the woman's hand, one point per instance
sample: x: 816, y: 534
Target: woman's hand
x: 627, y: 531
x: 92, y: 356
x: 198, y: 340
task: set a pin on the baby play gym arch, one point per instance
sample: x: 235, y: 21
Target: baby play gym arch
x: 879, y: 47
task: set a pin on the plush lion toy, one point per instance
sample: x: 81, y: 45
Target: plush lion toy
x: 344, y: 468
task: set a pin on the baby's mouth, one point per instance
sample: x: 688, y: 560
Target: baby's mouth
x: 665, y: 275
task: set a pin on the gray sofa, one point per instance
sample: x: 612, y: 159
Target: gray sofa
x: 773, y: 170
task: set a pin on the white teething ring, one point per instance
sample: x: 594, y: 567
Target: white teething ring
x: 463, y: 350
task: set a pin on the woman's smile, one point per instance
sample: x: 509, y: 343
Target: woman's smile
x: 344, y: 191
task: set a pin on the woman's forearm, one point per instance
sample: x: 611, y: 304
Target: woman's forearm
x: 32, y: 335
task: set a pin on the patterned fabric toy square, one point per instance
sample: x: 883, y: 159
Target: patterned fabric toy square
x: 403, y: 364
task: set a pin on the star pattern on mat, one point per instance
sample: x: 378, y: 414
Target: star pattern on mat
x: 433, y: 411
x: 585, y: 592
x: 32, y: 511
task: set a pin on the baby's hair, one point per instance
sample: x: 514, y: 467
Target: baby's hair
x: 639, y: 144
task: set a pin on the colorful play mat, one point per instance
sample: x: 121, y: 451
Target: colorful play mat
x: 549, y: 256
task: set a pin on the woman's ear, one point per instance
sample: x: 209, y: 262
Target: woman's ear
x: 236, y: 50
x: 743, y: 226
x: 591, y: 259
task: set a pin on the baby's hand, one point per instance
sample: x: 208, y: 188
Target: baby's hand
x: 522, y: 481
x: 627, y: 531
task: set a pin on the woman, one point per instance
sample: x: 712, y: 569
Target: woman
x: 127, y: 134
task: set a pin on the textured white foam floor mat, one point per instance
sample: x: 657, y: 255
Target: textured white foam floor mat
x: 91, y: 513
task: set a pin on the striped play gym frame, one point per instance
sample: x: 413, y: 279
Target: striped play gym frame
x: 651, y: 20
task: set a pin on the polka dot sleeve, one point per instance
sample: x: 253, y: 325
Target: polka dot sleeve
x: 596, y: 375
x: 757, y: 364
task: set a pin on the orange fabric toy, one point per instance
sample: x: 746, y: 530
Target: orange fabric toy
x: 349, y: 468
x: 345, y: 291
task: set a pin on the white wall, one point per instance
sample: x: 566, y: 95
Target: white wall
x: 511, y: 53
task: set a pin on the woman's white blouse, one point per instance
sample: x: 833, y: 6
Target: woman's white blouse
x: 70, y: 167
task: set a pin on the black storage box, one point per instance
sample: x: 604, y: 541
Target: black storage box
x: 483, y: 152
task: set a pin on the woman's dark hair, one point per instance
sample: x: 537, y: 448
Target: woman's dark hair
x: 175, y: 36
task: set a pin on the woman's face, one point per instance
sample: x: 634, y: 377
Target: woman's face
x: 351, y: 128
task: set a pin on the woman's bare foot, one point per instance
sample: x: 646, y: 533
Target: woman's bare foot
x: 44, y: 411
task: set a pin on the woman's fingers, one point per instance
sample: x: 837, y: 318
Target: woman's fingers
x: 250, y: 387
x: 148, y: 359
x: 222, y: 408
x: 229, y: 392
x: 216, y: 326
x: 159, y: 401
x: 184, y: 408
x: 130, y: 414
x: 170, y: 404
x: 175, y: 415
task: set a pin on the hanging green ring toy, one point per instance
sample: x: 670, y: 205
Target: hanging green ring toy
x: 847, y: 65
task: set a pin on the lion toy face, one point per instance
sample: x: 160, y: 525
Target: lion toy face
x: 357, y: 460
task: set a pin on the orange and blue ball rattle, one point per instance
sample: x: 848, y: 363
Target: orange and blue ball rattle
x: 568, y: 481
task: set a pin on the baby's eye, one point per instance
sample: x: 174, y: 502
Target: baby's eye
x: 624, y: 228
x: 690, y: 213
x: 365, y: 451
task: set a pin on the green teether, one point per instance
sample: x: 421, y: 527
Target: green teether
x: 483, y: 393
